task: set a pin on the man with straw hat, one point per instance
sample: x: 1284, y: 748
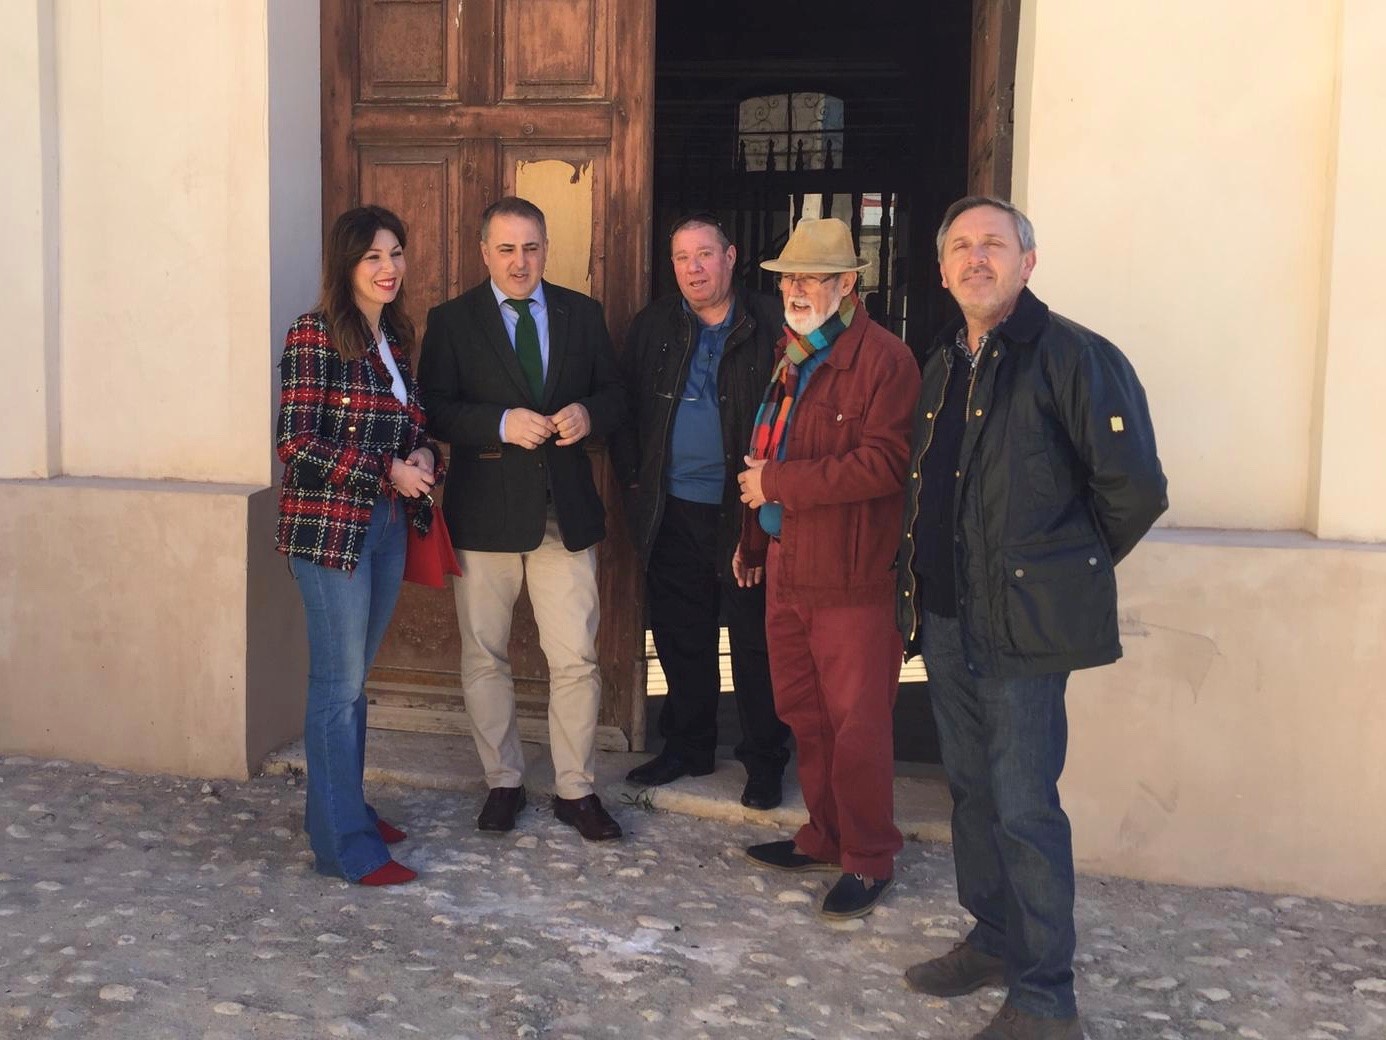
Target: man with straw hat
x: 823, y: 486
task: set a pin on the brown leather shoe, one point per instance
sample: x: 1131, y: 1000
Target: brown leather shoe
x: 1011, y: 1023
x: 961, y: 970
x: 503, y: 804
x: 586, y: 814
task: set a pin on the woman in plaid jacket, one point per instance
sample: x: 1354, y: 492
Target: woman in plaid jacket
x: 358, y: 468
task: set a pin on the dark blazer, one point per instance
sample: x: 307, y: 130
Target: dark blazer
x: 497, y: 494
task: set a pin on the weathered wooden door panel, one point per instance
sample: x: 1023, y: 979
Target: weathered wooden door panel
x: 421, y: 184
x: 557, y: 48
x: 409, y: 49
x: 435, y: 108
x: 995, y: 29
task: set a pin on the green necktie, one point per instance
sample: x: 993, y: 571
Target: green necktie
x: 527, y: 348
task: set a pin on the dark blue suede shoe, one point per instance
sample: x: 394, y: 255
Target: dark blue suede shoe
x: 854, y: 896
x: 782, y: 855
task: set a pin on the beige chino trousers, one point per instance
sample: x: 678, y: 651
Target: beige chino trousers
x: 563, y: 592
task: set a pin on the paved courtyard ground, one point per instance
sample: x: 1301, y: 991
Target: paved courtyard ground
x: 162, y: 909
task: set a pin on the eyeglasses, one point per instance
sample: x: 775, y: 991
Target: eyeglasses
x: 806, y: 280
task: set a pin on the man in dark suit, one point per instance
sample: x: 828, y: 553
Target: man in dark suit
x: 515, y: 375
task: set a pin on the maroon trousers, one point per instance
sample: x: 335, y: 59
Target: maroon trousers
x: 836, y: 671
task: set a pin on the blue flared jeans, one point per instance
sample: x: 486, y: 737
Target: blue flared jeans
x: 347, y: 613
x: 1003, y: 743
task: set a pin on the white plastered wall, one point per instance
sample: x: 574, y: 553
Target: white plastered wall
x: 165, y: 239
x: 167, y: 202
x: 1205, y: 184
x: 29, y: 213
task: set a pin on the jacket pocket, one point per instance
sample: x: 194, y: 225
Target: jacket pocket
x: 830, y: 429
x: 1038, y: 466
x: 1060, y: 598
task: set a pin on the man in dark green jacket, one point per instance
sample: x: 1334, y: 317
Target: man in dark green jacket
x: 1033, y: 471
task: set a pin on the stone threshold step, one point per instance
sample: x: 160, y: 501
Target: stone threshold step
x: 448, y: 762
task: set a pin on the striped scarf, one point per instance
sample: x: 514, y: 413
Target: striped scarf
x: 777, y: 407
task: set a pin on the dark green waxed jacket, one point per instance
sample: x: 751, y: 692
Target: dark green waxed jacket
x: 1058, y: 480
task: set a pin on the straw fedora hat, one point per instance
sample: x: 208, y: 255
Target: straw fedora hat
x: 818, y: 247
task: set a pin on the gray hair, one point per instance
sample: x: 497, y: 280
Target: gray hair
x: 1023, y: 228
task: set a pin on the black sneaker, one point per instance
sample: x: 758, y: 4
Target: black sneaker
x: 854, y: 896
x: 781, y: 855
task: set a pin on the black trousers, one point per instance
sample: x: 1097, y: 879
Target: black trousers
x: 686, y: 602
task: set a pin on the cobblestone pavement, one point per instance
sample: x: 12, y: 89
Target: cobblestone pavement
x: 161, y: 908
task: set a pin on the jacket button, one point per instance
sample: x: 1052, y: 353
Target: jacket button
x: 928, y: 415
x: 351, y: 429
x: 1020, y: 572
x: 908, y: 536
x: 979, y: 413
x: 907, y: 593
x: 957, y: 473
x: 839, y: 416
x: 914, y: 475
x: 346, y: 399
x: 1092, y: 561
x: 996, y: 353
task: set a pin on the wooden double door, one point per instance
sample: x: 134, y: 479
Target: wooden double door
x: 435, y: 108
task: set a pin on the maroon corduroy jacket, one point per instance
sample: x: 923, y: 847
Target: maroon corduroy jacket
x: 841, y: 476
x: 339, y: 428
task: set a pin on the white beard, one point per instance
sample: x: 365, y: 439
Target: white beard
x: 804, y: 322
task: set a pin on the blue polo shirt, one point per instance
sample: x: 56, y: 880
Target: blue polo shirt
x: 697, y: 468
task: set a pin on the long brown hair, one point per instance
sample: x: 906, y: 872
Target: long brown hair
x: 349, y: 240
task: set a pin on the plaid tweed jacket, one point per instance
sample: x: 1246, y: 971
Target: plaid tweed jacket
x: 339, y: 428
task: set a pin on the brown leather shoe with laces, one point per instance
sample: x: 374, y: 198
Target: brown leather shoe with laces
x: 1011, y: 1023
x: 961, y: 970
x: 586, y: 814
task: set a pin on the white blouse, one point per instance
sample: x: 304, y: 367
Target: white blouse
x: 396, y: 380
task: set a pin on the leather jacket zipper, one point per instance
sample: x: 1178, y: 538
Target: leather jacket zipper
x: 666, y: 432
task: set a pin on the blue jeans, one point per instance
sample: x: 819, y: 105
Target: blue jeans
x: 1003, y: 743
x: 347, y: 615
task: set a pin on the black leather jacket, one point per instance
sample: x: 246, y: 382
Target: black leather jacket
x: 1059, y: 479
x: 655, y: 367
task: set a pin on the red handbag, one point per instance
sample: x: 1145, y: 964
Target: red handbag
x: 429, y: 558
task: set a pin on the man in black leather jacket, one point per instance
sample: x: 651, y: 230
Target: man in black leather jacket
x: 696, y: 365
x: 1033, y: 472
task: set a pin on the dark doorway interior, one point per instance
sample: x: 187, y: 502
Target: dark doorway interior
x: 765, y: 111
x: 768, y: 111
